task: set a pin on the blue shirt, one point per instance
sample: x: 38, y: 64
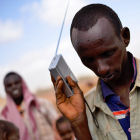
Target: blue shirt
x: 120, y: 111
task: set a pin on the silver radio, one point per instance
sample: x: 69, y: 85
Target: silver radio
x: 59, y: 67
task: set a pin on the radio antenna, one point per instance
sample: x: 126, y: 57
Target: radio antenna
x: 58, y: 42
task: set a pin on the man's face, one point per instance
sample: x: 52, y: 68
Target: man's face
x: 13, y: 86
x: 101, y: 50
x: 65, y: 131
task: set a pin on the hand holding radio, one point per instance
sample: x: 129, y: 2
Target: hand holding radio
x: 69, y: 97
x: 72, y: 107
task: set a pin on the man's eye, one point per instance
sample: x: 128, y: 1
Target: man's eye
x: 16, y: 83
x: 87, y: 59
x: 9, y: 85
x: 107, y: 54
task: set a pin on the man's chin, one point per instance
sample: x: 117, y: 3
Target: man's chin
x: 16, y: 96
x: 112, y: 79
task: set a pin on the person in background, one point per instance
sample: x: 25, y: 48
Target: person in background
x: 34, y: 117
x: 8, y: 131
x: 101, y: 42
x: 64, y: 128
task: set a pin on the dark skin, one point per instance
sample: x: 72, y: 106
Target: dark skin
x: 102, y: 51
x: 98, y: 50
x: 65, y: 131
x: 13, y: 87
x: 73, y: 108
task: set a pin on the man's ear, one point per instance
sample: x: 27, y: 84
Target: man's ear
x: 125, y: 34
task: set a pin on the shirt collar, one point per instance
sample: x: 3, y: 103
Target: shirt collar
x: 106, y: 91
x: 137, y: 81
x: 95, y: 97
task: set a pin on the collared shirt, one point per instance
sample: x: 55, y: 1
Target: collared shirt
x: 120, y: 111
x: 109, y: 126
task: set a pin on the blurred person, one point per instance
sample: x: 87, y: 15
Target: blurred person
x: 34, y: 117
x: 64, y: 128
x: 8, y: 131
x: 100, y: 41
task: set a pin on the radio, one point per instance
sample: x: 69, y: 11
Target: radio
x: 59, y: 67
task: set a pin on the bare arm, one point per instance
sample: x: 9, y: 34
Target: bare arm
x: 81, y: 129
x: 73, y: 108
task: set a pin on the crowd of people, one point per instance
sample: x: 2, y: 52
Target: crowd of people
x: 25, y: 117
x: 113, y: 108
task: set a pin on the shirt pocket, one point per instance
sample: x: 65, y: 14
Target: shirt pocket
x: 110, y: 128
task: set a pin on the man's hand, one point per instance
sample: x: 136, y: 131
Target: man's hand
x: 73, y: 106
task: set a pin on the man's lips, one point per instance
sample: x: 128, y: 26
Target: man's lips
x: 108, y: 77
x: 16, y: 92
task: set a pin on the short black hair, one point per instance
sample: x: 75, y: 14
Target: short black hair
x: 61, y: 120
x: 88, y: 16
x: 9, y: 74
x: 7, y: 127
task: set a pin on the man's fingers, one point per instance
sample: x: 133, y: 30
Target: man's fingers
x: 73, y: 85
x: 71, y: 82
x: 53, y: 80
x: 59, y: 85
x: 57, y: 81
x: 59, y: 91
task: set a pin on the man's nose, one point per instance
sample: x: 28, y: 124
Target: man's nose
x: 103, y: 69
x: 14, y: 86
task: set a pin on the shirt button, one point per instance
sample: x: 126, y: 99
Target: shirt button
x: 129, y: 130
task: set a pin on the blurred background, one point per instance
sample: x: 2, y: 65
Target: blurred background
x: 29, y: 32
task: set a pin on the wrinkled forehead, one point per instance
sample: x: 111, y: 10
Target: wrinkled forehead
x: 102, y: 30
x: 12, y: 78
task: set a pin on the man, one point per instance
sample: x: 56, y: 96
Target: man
x: 33, y: 117
x: 100, y: 40
x: 64, y: 128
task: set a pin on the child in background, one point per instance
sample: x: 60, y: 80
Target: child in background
x: 64, y: 128
x: 34, y: 117
x: 8, y: 131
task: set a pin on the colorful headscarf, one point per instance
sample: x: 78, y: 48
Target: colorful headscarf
x: 11, y: 113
